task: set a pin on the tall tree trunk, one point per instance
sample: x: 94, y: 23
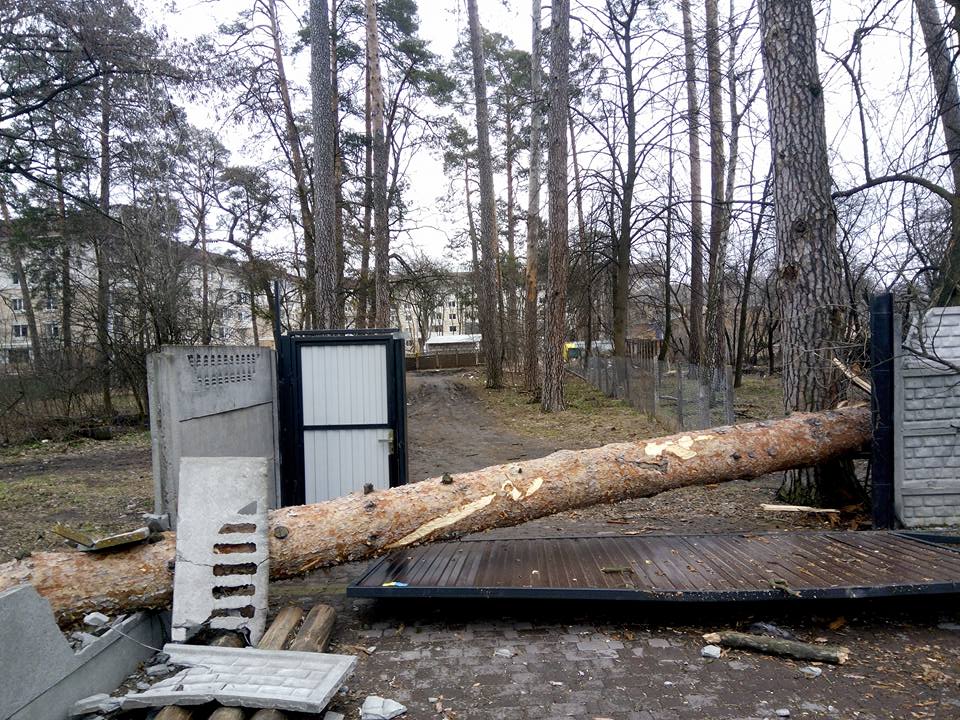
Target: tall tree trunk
x: 204, y: 272
x: 558, y: 110
x: 102, y: 253
x: 808, y: 260
x: 583, y: 276
x: 714, y: 356
x: 363, y: 288
x: 25, y: 295
x: 747, y: 282
x: 510, y: 334
x: 474, y: 241
x: 668, y: 266
x: 695, y: 320
x: 357, y: 527
x: 66, y: 282
x: 381, y: 213
x: 489, y: 237
x: 531, y: 366
x: 297, y: 165
x: 324, y: 170
x: 624, y: 235
x: 941, y: 61
x: 338, y: 318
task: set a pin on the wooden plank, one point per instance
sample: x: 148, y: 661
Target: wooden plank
x: 316, y: 630
x: 275, y: 638
x: 313, y: 636
x: 174, y: 712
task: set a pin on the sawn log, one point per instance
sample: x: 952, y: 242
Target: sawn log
x: 358, y: 527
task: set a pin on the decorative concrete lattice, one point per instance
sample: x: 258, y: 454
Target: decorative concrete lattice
x: 927, y: 422
x: 211, y: 367
x: 222, y: 568
x: 246, y: 677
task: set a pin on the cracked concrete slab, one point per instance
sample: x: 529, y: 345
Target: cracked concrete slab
x: 247, y: 677
x: 222, y: 567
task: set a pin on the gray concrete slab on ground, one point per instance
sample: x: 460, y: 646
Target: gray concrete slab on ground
x: 248, y: 677
x: 223, y: 563
x: 41, y: 675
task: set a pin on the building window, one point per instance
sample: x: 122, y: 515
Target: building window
x: 15, y: 278
x: 18, y: 355
x: 438, y: 329
x: 453, y: 316
x: 53, y: 330
x: 453, y: 303
x: 50, y: 304
x: 20, y: 331
x: 16, y: 304
x: 453, y: 328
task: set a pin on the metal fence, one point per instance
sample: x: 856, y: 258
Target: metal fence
x: 682, y: 395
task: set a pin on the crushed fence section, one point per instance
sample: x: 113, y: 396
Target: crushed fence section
x: 681, y: 395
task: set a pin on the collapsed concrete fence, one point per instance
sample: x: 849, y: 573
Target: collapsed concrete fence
x: 358, y: 527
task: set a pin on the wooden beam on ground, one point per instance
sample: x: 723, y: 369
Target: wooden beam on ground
x: 282, y: 627
x: 316, y: 630
x: 313, y: 636
x: 174, y: 712
x: 836, y: 654
x: 274, y: 638
x: 358, y: 527
x: 797, y: 509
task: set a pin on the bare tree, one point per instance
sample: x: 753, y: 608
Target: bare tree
x: 696, y: 210
x: 531, y: 371
x: 381, y: 216
x: 489, y: 240
x: 810, y: 283
x: 324, y: 175
x: 941, y: 62
x: 558, y: 111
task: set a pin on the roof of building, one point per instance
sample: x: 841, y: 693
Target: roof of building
x: 453, y: 339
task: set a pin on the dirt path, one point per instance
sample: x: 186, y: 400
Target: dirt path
x: 450, y: 428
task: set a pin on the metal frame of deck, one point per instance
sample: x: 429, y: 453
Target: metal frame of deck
x: 705, y: 568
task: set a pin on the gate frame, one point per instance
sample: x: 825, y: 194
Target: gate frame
x: 290, y: 404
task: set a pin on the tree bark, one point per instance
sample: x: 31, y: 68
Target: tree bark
x: 531, y: 365
x: 510, y: 331
x: 941, y: 61
x: 363, y: 287
x: 324, y: 171
x: 624, y: 20
x: 551, y: 399
x: 101, y: 252
x: 713, y: 356
x: 357, y: 527
x: 381, y: 213
x: 489, y: 237
x: 695, y: 319
x: 810, y: 283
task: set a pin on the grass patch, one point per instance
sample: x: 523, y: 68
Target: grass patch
x: 759, y: 398
x: 590, y: 419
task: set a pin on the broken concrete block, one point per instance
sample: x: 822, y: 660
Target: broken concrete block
x: 377, y: 708
x: 222, y: 566
x: 95, y: 619
x: 331, y: 715
x: 99, y: 703
x: 248, y: 677
x: 41, y: 676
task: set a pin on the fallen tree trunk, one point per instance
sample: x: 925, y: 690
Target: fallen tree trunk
x: 358, y: 527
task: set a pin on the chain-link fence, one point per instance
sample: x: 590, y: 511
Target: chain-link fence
x: 682, y: 395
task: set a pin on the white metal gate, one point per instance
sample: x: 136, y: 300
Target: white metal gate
x: 345, y: 416
x: 346, y: 431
